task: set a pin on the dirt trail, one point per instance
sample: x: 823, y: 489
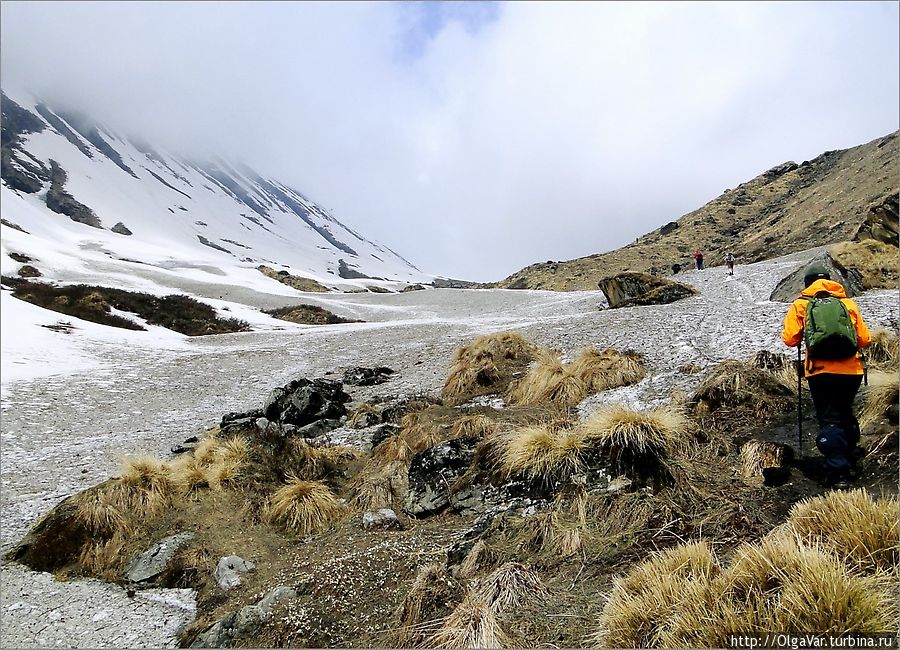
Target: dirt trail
x: 61, y: 435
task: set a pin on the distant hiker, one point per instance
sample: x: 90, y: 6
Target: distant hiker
x: 729, y: 262
x: 834, y: 331
x: 698, y: 258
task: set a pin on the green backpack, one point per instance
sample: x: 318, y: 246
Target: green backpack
x: 829, y: 332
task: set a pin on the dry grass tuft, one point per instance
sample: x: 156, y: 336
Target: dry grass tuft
x: 882, y: 393
x: 479, y: 558
x: 303, y: 507
x: 550, y: 381
x: 608, y: 369
x: 483, y: 366
x: 644, y: 599
x: 782, y: 366
x: 875, y: 261
x: 147, y: 482
x: 473, y: 426
x: 362, y: 415
x: 428, y: 596
x: 103, y: 512
x: 542, y: 451
x: 683, y: 598
x: 102, y: 558
x: 860, y: 530
x: 472, y: 624
x: 884, y: 350
x: 738, y: 386
x: 215, y: 464
x: 510, y: 587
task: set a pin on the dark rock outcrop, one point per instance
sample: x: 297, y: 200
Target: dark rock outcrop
x: 62, y: 202
x: 120, y: 229
x: 790, y: 286
x: 881, y: 221
x: 634, y: 289
x: 450, y: 283
x: 367, y: 376
x: 432, y: 472
x: 305, y: 401
x: 349, y: 274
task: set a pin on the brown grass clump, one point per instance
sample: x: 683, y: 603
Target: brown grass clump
x: 645, y: 598
x: 780, y: 584
x: 542, y: 451
x: 472, y: 624
x: 215, y: 464
x: 782, y: 366
x: 884, y: 350
x: 480, y: 557
x: 426, y: 600
x: 303, y: 507
x: 638, y: 442
x: 485, y: 366
x: 882, y: 393
x: 552, y: 382
x: 362, y: 415
x: 510, y: 587
x: 862, y: 531
x: 684, y: 598
x: 875, y: 261
x: 473, y: 426
x: 738, y: 386
x: 147, y: 482
x: 103, y: 512
x: 542, y: 379
x: 608, y: 369
x: 102, y: 558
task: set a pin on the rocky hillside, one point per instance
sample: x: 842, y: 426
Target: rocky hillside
x: 788, y: 208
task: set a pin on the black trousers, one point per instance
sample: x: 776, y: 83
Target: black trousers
x: 838, y: 435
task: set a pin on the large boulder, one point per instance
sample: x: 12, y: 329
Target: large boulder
x: 304, y: 401
x: 791, y: 285
x: 633, y: 289
x: 881, y: 221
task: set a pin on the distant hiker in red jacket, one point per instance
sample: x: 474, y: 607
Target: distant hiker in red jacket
x: 698, y: 258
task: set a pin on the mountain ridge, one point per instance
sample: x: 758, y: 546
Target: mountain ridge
x: 58, y: 161
x: 788, y: 208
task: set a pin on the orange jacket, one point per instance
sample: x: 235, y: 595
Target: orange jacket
x: 795, y: 321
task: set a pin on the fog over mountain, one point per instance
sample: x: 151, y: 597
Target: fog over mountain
x: 476, y: 138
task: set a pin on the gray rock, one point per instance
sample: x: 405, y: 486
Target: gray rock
x: 317, y: 428
x: 382, y: 518
x: 468, y: 501
x: 228, y: 571
x: 236, y: 426
x: 304, y: 401
x: 244, y: 622
x: 262, y: 424
x: 153, y: 561
x: 790, y: 286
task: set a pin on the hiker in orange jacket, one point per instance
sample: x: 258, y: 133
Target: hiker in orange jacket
x: 833, y: 383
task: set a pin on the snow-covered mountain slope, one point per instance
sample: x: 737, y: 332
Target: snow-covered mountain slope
x: 92, y: 202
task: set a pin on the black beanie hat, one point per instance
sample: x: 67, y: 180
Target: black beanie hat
x: 815, y: 271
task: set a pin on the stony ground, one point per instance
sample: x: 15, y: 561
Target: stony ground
x: 63, y: 434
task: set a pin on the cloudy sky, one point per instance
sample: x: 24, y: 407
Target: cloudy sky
x: 477, y: 138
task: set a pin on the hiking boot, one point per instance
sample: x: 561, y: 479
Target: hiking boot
x: 841, y: 484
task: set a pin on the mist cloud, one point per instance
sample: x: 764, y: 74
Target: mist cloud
x: 477, y: 138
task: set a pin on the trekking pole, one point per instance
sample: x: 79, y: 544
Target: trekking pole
x: 799, y: 402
